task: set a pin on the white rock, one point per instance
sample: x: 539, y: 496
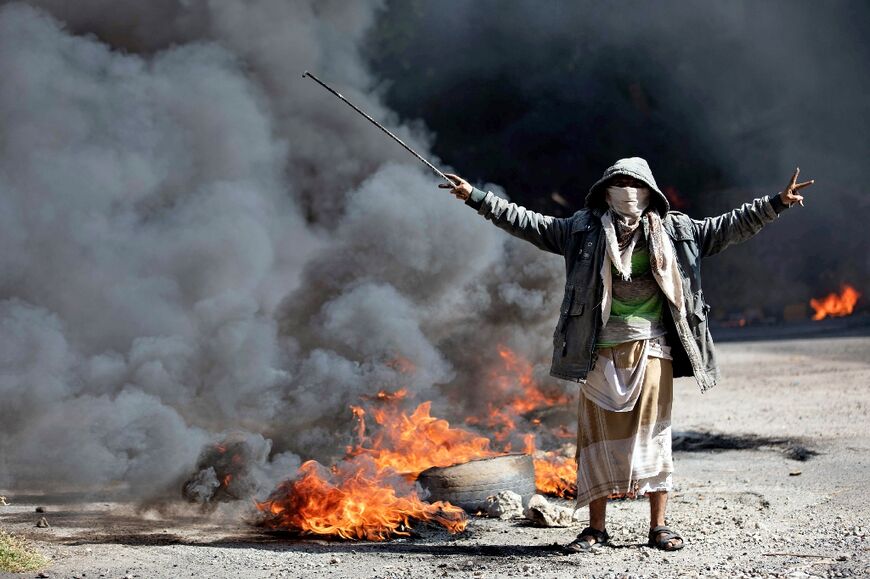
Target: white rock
x: 504, y: 505
x: 543, y: 514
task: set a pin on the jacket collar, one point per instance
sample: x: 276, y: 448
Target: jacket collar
x: 586, y: 219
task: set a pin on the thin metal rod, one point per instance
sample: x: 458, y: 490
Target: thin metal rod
x: 378, y: 125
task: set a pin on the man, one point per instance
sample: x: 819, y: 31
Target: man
x: 633, y: 317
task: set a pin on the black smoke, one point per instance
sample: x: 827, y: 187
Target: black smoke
x: 724, y: 99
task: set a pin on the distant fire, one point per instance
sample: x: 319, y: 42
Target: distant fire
x: 676, y: 200
x: 371, y: 494
x: 834, y: 304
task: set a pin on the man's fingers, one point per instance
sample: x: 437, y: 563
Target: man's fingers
x: 455, y: 181
x: 804, y: 184
x: 797, y: 171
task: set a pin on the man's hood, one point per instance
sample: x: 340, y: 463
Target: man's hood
x: 633, y: 167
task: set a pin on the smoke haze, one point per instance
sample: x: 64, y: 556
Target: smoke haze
x: 199, y: 243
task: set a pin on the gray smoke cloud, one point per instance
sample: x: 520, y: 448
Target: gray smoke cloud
x: 199, y: 244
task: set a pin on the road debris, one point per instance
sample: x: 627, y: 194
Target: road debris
x: 542, y: 513
x: 504, y: 505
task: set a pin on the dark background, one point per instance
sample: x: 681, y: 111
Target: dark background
x: 723, y: 100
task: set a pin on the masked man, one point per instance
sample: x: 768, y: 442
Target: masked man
x: 633, y: 317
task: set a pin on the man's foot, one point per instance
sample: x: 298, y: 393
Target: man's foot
x: 664, y: 538
x: 589, y: 539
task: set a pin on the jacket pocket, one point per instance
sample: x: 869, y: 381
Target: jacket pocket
x: 567, y: 298
x: 577, y: 306
x: 698, y: 313
x: 572, y: 305
x: 681, y: 232
x: 572, y: 302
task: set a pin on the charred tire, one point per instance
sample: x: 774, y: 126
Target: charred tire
x: 468, y: 484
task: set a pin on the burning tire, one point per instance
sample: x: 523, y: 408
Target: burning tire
x: 468, y: 484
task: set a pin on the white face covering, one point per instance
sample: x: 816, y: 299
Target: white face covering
x: 628, y: 202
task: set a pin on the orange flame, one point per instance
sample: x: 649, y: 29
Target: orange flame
x: 384, y: 396
x: 359, y: 500
x: 518, y: 394
x: 836, y: 305
x: 355, y: 502
x: 520, y: 372
x: 409, y: 444
x: 370, y: 494
x: 554, y: 474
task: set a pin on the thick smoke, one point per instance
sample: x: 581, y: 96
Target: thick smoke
x: 723, y: 98
x: 200, y: 245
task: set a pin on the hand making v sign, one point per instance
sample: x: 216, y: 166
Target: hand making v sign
x: 790, y: 194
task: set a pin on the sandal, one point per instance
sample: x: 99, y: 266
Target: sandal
x: 661, y: 537
x: 581, y: 545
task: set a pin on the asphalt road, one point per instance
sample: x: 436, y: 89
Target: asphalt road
x: 754, y: 511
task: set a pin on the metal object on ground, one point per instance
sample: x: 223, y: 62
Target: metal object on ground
x: 468, y: 484
x: 378, y: 125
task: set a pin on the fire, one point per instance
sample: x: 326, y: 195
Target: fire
x: 352, y: 501
x: 384, y: 395
x: 409, y: 444
x: 517, y: 392
x: 371, y: 494
x: 676, y: 200
x: 554, y: 474
x: 520, y: 372
x: 834, y: 304
x: 358, y: 498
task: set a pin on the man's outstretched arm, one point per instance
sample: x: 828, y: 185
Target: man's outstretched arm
x: 716, y: 233
x: 546, y: 232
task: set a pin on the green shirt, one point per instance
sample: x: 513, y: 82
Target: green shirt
x: 637, y: 305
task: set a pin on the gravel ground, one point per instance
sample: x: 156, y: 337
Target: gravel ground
x: 744, y: 513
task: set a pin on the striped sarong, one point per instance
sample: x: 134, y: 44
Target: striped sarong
x: 627, y: 453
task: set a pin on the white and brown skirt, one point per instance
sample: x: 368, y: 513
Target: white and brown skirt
x: 626, y: 453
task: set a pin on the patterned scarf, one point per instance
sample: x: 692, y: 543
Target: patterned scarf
x: 621, y: 237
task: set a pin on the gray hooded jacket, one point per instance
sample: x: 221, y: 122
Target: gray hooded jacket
x: 579, y: 240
